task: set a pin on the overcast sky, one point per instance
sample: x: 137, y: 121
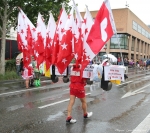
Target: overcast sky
x: 141, y: 8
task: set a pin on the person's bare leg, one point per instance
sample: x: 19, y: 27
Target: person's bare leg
x: 84, y: 105
x: 27, y: 83
x: 71, y: 103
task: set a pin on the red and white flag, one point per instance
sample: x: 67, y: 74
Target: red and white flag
x: 51, y: 27
x: 65, y: 54
x: 101, y: 31
x: 78, y: 40
x: 40, y: 40
x: 103, y: 28
x: 24, y: 37
x: 31, y: 31
x: 87, y: 52
x: 58, y: 35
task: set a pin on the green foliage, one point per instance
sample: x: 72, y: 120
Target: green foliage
x: 9, y: 75
x: 10, y: 65
x: 31, y: 8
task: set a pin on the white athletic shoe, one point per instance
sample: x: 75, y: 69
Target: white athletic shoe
x: 89, y: 114
x: 71, y: 121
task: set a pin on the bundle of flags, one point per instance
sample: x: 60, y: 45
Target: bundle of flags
x: 73, y: 37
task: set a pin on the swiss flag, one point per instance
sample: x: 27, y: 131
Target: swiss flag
x: 100, y: 32
x: 102, y: 29
x: 40, y: 40
x: 51, y: 27
x: 78, y: 41
x: 65, y: 54
x: 58, y: 34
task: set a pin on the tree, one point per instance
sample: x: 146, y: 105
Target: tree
x: 9, y: 12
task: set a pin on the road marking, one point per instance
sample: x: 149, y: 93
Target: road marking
x: 20, y: 91
x: 125, y: 83
x: 132, y: 81
x: 66, y: 89
x: 134, y: 92
x: 144, y: 126
x: 41, y: 107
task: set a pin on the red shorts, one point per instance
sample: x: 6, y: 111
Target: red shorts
x: 77, y: 93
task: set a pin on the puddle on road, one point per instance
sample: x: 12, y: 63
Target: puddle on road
x: 55, y: 116
x: 12, y: 108
x: 23, y: 92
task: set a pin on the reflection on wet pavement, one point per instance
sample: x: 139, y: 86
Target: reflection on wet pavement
x: 55, y: 116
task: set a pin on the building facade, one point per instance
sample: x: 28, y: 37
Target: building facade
x: 11, y: 46
x: 133, y: 36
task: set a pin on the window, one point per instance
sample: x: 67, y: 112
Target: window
x: 143, y: 32
x: 139, y: 29
x: 120, y: 39
x: 147, y: 34
x: 134, y: 25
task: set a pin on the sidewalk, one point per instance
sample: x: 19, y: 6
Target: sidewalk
x: 47, y: 81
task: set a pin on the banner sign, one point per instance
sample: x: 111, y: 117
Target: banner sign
x: 114, y: 72
x: 88, y: 71
x: 57, y: 72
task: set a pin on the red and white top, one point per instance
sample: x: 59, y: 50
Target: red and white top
x: 28, y: 72
x: 76, y: 81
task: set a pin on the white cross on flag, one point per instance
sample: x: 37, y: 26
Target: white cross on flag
x: 101, y: 31
x: 65, y: 54
x: 51, y: 27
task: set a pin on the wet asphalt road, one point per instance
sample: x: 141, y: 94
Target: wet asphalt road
x: 43, y: 109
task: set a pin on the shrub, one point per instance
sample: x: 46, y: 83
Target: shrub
x: 9, y: 75
x: 10, y: 65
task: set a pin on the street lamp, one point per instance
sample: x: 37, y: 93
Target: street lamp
x: 127, y: 5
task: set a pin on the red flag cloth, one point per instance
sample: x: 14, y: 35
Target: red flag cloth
x: 88, y: 55
x: 26, y: 57
x: 78, y: 40
x: 65, y: 54
x: 51, y: 28
x: 30, y: 32
x: 19, y: 41
x: 101, y: 30
x: 58, y: 35
x: 40, y: 42
x: 24, y: 37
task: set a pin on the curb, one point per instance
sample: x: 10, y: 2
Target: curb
x: 134, y: 86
